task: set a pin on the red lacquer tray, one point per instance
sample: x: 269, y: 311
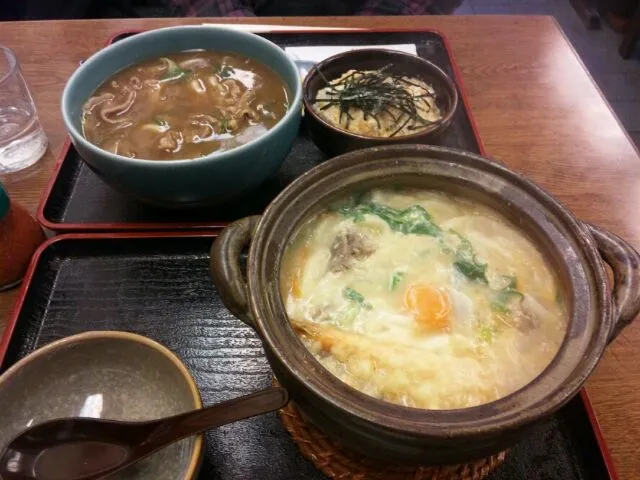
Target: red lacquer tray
x: 76, y: 200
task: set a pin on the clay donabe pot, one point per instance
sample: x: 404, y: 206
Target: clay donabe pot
x: 384, y: 430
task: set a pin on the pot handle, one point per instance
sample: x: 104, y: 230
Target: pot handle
x: 624, y: 260
x: 225, y: 267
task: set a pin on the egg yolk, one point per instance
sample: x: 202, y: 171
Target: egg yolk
x: 430, y: 306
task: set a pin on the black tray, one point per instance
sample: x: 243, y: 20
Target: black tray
x: 77, y: 200
x: 158, y: 285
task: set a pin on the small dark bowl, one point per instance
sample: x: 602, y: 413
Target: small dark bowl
x: 334, y: 140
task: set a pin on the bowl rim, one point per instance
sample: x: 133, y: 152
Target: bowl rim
x: 408, y: 419
x: 90, y: 336
x: 426, y: 64
x: 77, y: 137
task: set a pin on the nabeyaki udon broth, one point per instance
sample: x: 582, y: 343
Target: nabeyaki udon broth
x: 423, y: 299
x: 184, y: 105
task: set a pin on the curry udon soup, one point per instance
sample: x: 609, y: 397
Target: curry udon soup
x: 185, y: 105
x: 423, y: 299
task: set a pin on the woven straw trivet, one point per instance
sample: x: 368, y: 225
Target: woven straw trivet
x: 336, y: 463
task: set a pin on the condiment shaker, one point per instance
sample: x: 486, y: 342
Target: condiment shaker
x: 20, y: 236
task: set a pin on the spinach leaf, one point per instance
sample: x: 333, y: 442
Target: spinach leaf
x: 415, y: 219
x: 355, y: 297
x: 412, y: 220
x: 396, y: 278
x: 466, y: 261
x: 472, y: 270
x: 503, y: 298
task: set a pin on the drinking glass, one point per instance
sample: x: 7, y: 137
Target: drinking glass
x: 22, y: 140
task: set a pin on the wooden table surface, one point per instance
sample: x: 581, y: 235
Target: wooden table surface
x: 537, y: 110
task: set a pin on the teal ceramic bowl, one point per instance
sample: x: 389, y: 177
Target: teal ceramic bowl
x: 211, y: 179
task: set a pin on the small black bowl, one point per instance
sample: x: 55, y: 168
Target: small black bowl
x: 334, y: 140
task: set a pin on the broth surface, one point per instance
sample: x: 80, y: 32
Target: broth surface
x: 423, y: 299
x: 185, y: 105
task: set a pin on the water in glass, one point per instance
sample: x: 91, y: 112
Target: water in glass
x: 22, y: 140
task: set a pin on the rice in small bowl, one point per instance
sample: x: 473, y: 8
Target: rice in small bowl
x: 374, y: 97
x: 376, y: 103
